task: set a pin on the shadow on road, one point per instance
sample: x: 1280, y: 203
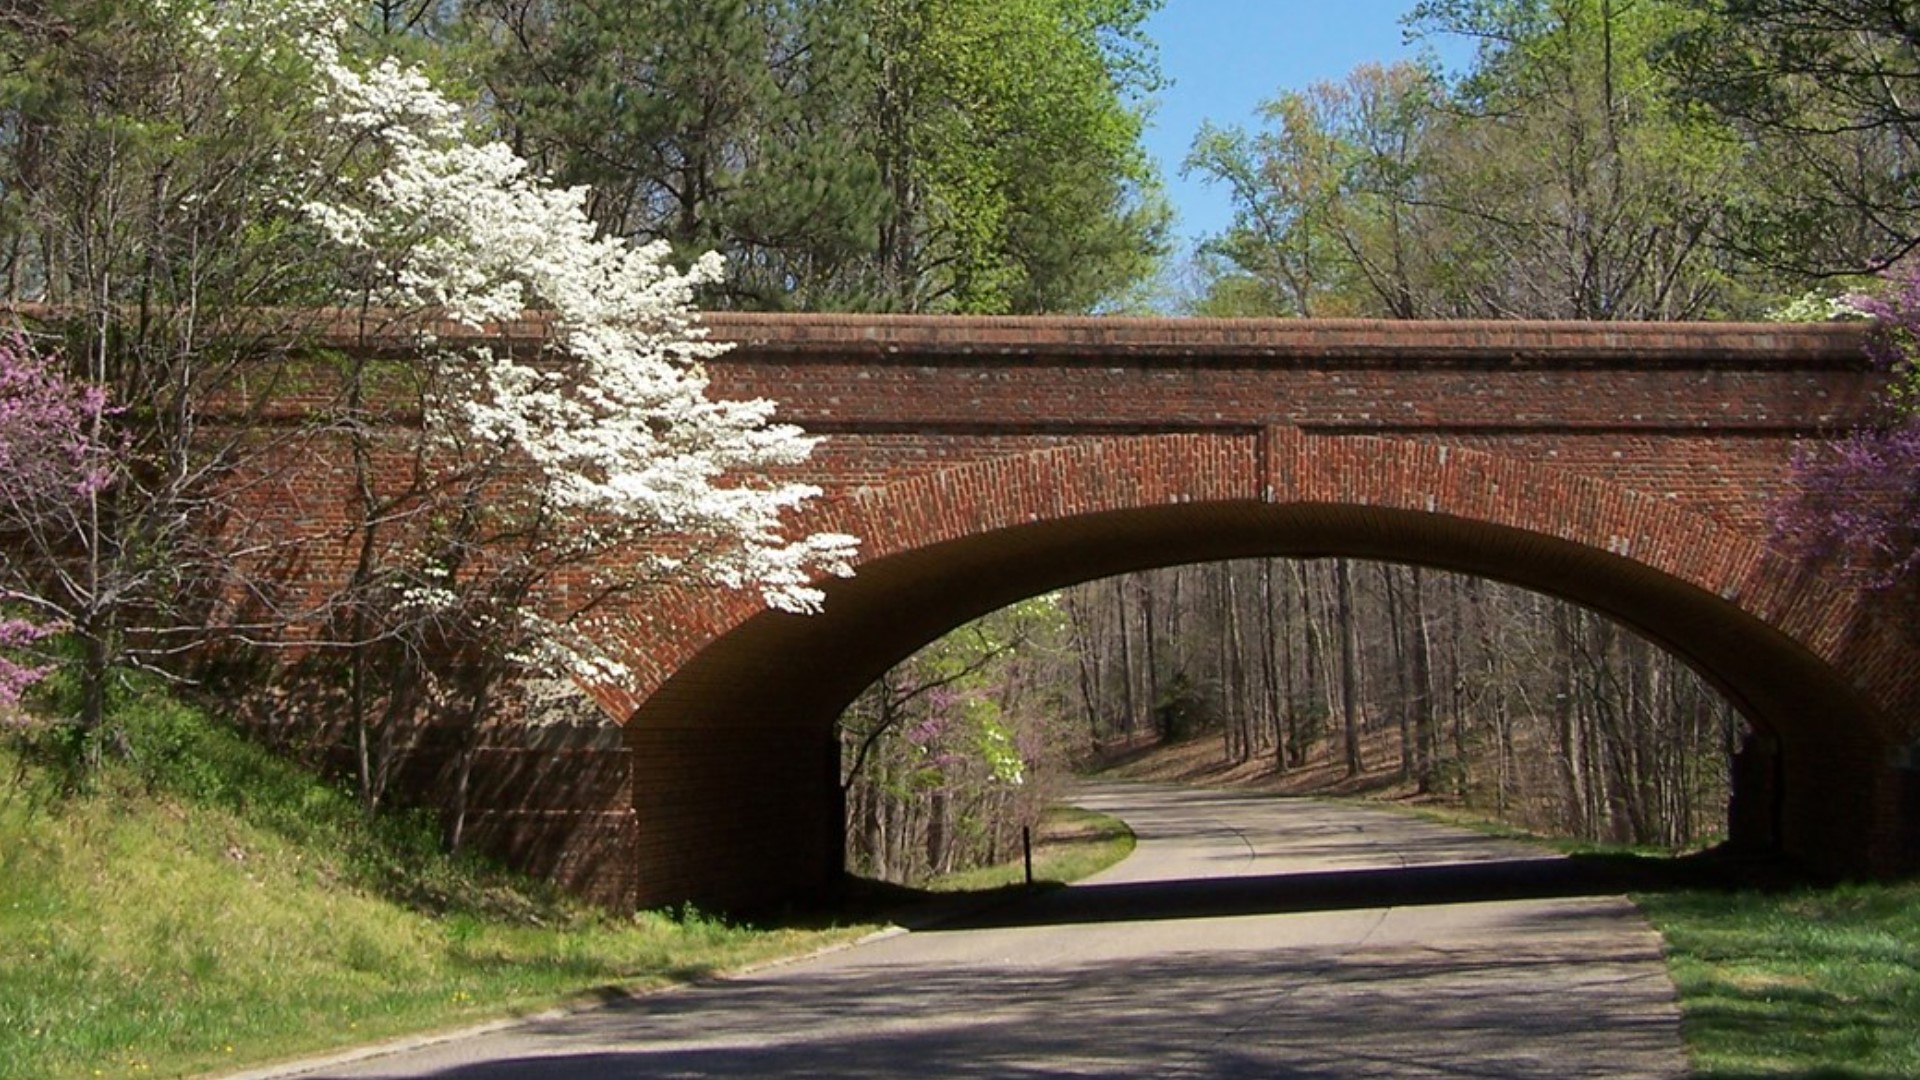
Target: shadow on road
x: 1339, y: 890
x: 1481, y: 1010
x: 1435, y: 883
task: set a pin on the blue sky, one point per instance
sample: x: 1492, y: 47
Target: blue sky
x: 1223, y: 57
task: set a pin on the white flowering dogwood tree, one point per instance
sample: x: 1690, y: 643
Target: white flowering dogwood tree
x: 555, y: 480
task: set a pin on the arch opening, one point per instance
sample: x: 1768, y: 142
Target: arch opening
x: 1302, y: 677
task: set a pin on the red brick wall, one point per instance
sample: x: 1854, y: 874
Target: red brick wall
x: 1702, y: 413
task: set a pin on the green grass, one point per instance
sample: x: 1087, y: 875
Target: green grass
x: 1809, y: 983
x: 1069, y: 844
x: 1812, y: 983
x: 204, y: 904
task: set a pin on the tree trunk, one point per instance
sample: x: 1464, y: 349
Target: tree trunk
x: 1273, y: 638
x: 1086, y: 655
x: 1349, y: 667
x: 1422, y: 704
x: 472, y: 736
x: 1233, y: 668
x: 1317, y: 662
x: 1403, y: 676
x: 1151, y: 641
x: 1127, y: 704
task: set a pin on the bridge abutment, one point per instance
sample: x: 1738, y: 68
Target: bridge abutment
x: 734, y: 815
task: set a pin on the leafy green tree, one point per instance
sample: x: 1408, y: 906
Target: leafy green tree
x: 956, y: 748
x: 1597, y: 194
x: 1559, y: 178
x: 1330, y: 206
x: 1011, y: 141
x: 728, y: 125
x: 917, y: 155
x: 1827, y: 90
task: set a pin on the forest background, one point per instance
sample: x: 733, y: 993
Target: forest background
x: 1593, y: 159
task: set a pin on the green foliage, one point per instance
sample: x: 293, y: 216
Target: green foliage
x: 849, y: 154
x: 959, y: 746
x: 1824, y: 91
x: 730, y: 126
x: 1562, y: 176
x: 1020, y: 150
x: 137, y: 173
x: 1324, y: 193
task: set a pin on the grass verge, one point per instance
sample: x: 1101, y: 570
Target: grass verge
x: 1810, y: 983
x: 1069, y: 844
x: 204, y: 905
x: 1807, y: 983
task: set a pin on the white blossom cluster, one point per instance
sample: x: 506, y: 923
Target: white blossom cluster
x: 1818, y: 307
x: 619, y: 429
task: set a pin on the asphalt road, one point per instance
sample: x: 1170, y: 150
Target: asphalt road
x: 1246, y: 937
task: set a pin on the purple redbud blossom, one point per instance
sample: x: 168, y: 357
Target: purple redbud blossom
x: 16, y: 677
x: 928, y: 731
x: 1856, y: 502
x: 52, y: 459
x: 47, y: 429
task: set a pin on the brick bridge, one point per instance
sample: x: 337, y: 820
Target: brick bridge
x: 1624, y: 467
x: 1628, y: 468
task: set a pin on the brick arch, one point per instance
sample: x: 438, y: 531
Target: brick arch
x: 731, y: 682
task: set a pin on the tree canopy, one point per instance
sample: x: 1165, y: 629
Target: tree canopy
x: 1572, y: 171
x: 1824, y: 90
x: 911, y: 155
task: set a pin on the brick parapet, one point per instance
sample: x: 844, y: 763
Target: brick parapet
x: 1311, y: 341
x: 1318, y: 343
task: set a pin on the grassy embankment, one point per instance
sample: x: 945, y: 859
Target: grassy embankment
x: 1818, y: 982
x: 1806, y: 983
x: 206, y: 905
x: 1070, y: 844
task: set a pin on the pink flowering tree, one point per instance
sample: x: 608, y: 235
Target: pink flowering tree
x: 57, y: 458
x: 955, y: 749
x: 154, y: 233
x: 1856, y: 503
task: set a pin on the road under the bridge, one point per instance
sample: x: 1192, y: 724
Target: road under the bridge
x: 1248, y: 936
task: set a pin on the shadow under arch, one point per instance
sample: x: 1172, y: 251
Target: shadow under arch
x: 741, y: 727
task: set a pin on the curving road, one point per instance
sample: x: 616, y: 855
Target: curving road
x: 1248, y: 936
